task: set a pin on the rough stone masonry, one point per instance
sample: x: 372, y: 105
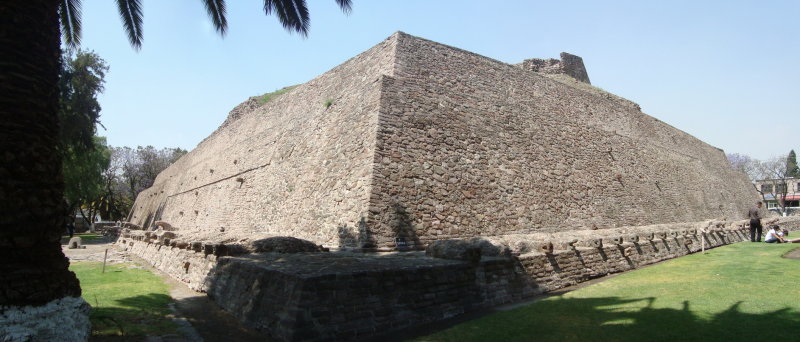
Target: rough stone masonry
x: 544, y: 180
x: 424, y: 141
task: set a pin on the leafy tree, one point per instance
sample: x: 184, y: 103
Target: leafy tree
x: 81, y: 80
x: 152, y: 162
x: 83, y: 177
x: 744, y: 164
x: 791, y: 165
x: 133, y: 170
x: 31, y: 187
x: 773, y: 177
x: 114, y: 202
x: 770, y: 177
x: 84, y: 155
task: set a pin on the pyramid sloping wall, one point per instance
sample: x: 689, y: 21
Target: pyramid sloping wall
x: 425, y: 141
x: 472, y: 146
x: 291, y: 166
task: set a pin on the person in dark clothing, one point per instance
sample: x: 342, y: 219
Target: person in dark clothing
x: 754, y: 214
x: 70, y: 226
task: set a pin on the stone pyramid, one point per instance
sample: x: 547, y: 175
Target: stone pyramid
x: 413, y: 141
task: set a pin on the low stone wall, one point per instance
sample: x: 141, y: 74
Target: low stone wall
x: 187, y: 265
x: 351, y: 295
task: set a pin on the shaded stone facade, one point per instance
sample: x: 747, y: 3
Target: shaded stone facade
x: 412, y: 142
x: 353, y: 295
x: 423, y: 142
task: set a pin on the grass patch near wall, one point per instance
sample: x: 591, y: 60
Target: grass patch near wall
x: 740, y: 292
x: 85, y: 236
x: 269, y: 96
x: 125, y: 300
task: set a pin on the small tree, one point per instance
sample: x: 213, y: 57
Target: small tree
x: 83, y: 178
x: 770, y: 178
x: 744, y: 164
x: 772, y: 175
x: 84, y: 155
x: 129, y: 172
x: 791, y: 165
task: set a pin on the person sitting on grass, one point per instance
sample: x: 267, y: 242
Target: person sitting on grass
x: 776, y: 235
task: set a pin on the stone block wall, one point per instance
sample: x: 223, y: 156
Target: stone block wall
x: 469, y: 146
x: 346, y: 296
x: 292, y: 166
x: 189, y: 266
x: 569, y: 65
x: 423, y: 142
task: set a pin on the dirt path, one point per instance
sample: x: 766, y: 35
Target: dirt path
x: 199, y: 318
x: 793, y: 254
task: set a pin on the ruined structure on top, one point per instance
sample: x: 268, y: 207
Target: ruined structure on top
x: 420, y: 141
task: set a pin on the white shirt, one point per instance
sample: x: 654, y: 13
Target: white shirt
x: 772, y: 235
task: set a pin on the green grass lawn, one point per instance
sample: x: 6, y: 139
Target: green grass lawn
x: 125, y: 300
x: 740, y: 292
x: 84, y: 237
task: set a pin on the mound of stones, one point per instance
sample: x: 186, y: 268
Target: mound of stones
x: 285, y: 244
x: 164, y: 234
x: 516, y: 244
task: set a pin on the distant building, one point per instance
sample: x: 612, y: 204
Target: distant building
x: 777, y: 190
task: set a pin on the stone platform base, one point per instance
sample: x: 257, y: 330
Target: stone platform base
x: 350, y: 295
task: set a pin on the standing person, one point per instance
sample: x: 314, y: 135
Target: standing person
x: 70, y: 225
x: 754, y: 214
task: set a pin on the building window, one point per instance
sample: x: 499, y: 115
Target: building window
x: 766, y: 187
x: 780, y: 188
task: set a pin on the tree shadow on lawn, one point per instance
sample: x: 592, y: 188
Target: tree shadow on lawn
x: 135, y: 316
x: 615, y: 319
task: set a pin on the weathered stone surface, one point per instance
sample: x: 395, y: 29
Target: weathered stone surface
x: 284, y: 244
x: 454, y: 250
x: 74, y: 242
x: 65, y: 319
x: 427, y: 142
x: 569, y: 65
x: 163, y: 225
x: 346, y: 295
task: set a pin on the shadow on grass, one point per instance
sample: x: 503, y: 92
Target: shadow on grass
x: 133, y: 316
x: 615, y: 319
x: 213, y: 323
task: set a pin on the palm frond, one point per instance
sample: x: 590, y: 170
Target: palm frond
x: 69, y: 12
x: 216, y: 10
x: 345, y: 5
x: 131, y: 13
x: 293, y: 14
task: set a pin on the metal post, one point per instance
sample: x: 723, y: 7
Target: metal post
x: 104, y: 260
x: 703, y: 240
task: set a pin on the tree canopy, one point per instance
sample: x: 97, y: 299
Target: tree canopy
x: 84, y: 155
x: 292, y: 14
x: 791, y: 165
x: 81, y: 80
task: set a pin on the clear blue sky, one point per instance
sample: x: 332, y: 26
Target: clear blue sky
x: 723, y: 71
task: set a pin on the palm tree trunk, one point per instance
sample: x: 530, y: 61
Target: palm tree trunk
x: 33, y: 268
